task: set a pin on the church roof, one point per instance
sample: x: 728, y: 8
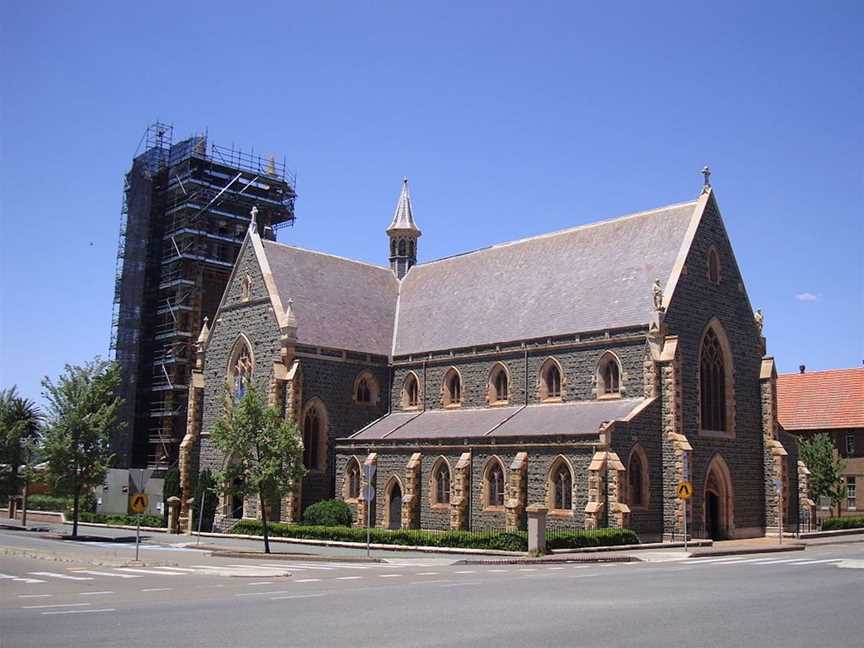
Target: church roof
x: 588, y: 278
x: 338, y: 303
x: 821, y: 400
x: 567, y: 419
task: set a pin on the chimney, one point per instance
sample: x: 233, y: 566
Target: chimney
x: 801, y: 368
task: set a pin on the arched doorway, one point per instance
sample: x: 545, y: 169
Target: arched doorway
x: 394, y: 505
x: 719, y: 501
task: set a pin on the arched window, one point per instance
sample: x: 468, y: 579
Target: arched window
x: 452, y: 388
x: 412, y: 249
x: 365, y: 389
x: 494, y: 485
x: 637, y: 479
x: 240, y: 370
x: 410, y: 391
x: 713, y: 263
x: 352, y: 480
x: 499, y: 384
x: 712, y: 383
x: 608, y: 376
x: 236, y: 512
x: 550, y: 380
x: 560, y: 487
x: 314, y: 429
x: 392, y: 247
x: 401, y: 247
x: 441, y: 483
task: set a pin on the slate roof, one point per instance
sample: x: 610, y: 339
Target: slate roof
x: 338, y: 303
x: 403, y: 217
x: 821, y: 400
x: 588, y: 278
x: 567, y: 419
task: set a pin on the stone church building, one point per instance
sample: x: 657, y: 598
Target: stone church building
x: 587, y: 371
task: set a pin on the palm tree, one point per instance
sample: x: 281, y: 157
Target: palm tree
x: 20, y: 425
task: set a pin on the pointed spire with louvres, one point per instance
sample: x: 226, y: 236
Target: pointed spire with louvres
x: 403, y: 233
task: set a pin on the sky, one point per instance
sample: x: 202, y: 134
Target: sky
x: 509, y: 119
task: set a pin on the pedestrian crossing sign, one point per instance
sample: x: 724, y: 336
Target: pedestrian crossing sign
x: 684, y: 490
x: 138, y: 502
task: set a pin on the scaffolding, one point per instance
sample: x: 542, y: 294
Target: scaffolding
x: 185, y: 214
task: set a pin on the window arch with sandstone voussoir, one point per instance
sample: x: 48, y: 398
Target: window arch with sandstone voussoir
x: 608, y: 376
x: 499, y: 385
x: 440, y: 486
x: 716, y: 386
x: 551, y: 381
x: 452, y: 388
x: 241, y: 366
x: 351, y: 486
x: 366, y: 390
x: 410, y: 397
x: 494, y: 484
x: 559, y: 487
x: 637, y: 479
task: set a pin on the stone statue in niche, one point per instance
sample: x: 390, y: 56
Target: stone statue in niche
x: 657, y: 291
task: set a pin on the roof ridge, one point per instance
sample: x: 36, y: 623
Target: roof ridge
x: 327, y: 254
x: 566, y: 230
x: 820, y: 371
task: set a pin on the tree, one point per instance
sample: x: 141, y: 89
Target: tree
x: 265, y: 451
x: 826, y: 468
x: 82, y: 415
x: 20, y: 424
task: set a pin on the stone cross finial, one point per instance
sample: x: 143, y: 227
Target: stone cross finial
x: 657, y: 291
x: 760, y: 320
x: 707, y: 173
x: 253, y: 218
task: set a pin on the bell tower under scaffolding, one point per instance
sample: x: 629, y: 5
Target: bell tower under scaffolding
x: 185, y: 213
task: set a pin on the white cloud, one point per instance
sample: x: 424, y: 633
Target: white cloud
x: 807, y: 297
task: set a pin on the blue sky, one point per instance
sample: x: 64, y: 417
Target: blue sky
x: 510, y: 119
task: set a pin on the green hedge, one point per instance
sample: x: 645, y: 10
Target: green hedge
x: 834, y: 524
x: 495, y: 540
x: 328, y: 513
x: 596, y: 538
x: 121, y: 520
x: 48, y: 503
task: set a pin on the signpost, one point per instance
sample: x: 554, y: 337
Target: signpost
x: 778, y: 489
x: 685, y: 491
x: 368, y: 496
x: 138, y: 504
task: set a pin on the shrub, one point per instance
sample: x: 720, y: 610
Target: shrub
x: 121, y: 520
x: 494, y: 540
x: 331, y: 513
x: 835, y: 523
x: 48, y: 503
x: 204, y: 482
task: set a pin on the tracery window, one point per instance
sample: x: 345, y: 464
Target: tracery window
x: 561, y: 486
x: 608, y: 375
x: 452, y: 388
x: 410, y: 391
x: 441, y: 483
x: 241, y: 372
x: 499, y: 386
x: 353, y: 479
x: 637, y: 480
x: 312, y: 439
x: 364, y: 394
x: 550, y: 380
x: 495, y: 484
x: 712, y: 384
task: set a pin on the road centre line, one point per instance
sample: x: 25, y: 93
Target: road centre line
x: 260, y: 583
x: 80, y: 611
x: 54, y: 605
x: 349, y: 578
x: 296, y: 596
x: 462, y: 584
x: 308, y: 580
x: 389, y: 575
x: 94, y: 593
x: 157, y: 589
x: 35, y: 595
x: 467, y: 571
x: 816, y: 562
x: 263, y: 593
x: 498, y: 571
x: 426, y: 574
x: 179, y: 569
x: 63, y: 576
x: 555, y: 568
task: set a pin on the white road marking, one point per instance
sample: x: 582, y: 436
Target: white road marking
x: 462, y: 584
x: 63, y: 576
x: 555, y: 568
x: 817, y: 562
x: 94, y: 593
x: 429, y: 582
x: 389, y: 575
x: 349, y: 578
x: 263, y: 593
x: 81, y: 611
x: 292, y: 566
x: 146, y: 571
x: 308, y: 580
x: 466, y: 571
x: 498, y: 571
x: 35, y: 595
x: 528, y: 569
x: 102, y: 573
x: 426, y: 574
x: 295, y: 596
x: 260, y: 583
x: 179, y: 569
x: 54, y: 605
x: 157, y: 589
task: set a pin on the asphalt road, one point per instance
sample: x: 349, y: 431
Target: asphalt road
x: 790, y: 599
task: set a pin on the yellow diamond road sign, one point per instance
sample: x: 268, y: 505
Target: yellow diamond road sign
x: 684, y: 490
x: 138, y: 502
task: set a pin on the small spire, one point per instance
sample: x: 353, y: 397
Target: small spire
x: 253, y: 219
x: 707, y: 173
x: 403, y: 217
x: 205, y: 332
x: 289, y: 313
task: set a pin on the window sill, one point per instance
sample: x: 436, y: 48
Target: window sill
x: 493, y: 509
x: 717, y: 434
x: 499, y: 403
x: 452, y: 405
x: 553, y: 399
x: 438, y: 506
x: 613, y: 396
x: 560, y: 513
